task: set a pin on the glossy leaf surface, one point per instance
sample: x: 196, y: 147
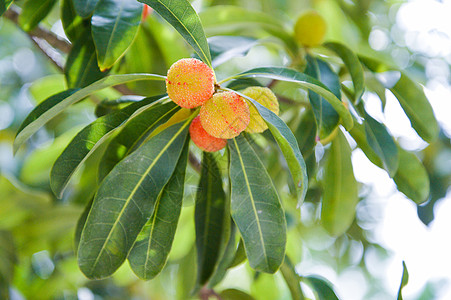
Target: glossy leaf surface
x: 151, y: 249
x: 125, y: 201
x: 33, y: 12
x: 256, y: 208
x: 84, y: 8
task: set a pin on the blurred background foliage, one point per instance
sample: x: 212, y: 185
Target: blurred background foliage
x: 37, y: 258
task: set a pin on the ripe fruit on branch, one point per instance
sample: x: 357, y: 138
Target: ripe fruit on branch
x: 310, y: 29
x: 265, y: 97
x: 190, y: 82
x: 225, y: 115
x: 202, y: 139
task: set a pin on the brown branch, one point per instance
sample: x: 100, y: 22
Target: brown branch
x: 194, y: 162
x: 40, y: 32
x: 49, y: 52
x: 205, y: 293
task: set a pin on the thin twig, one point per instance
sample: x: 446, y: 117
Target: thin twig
x: 194, y: 162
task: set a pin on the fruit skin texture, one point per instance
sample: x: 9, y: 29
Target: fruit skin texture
x: 310, y: 29
x: 265, y: 97
x: 225, y: 115
x: 202, y: 139
x: 190, y: 82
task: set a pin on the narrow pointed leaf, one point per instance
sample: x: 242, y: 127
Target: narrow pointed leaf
x: 288, y: 144
x: 292, y: 279
x: 182, y: 16
x: 404, y: 280
x: 353, y: 65
x: 151, y: 249
x: 33, y: 12
x: 359, y: 135
x: 412, y: 178
x: 321, y: 288
x: 115, y: 25
x: 306, y: 133
x: 256, y: 208
x: 81, y: 66
x: 304, y: 81
x: 84, y: 8
x: 226, y: 259
x: 341, y: 191
x: 55, y: 104
x: 382, y: 143
x: 417, y: 107
x: 72, y: 23
x: 125, y: 201
x: 90, y: 137
x: 240, y: 255
x: 327, y: 119
x: 132, y: 134
x: 212, y: 219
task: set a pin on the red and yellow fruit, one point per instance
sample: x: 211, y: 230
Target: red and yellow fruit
x: 225, y: 115
x: 310, y: 29
x: 265, y: 97
x: 202, y: 139
x: 190, y: 82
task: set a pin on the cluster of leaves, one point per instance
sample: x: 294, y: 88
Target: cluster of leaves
x: 143, y: 144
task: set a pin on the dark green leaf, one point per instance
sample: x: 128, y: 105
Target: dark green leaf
x: 292, y: 279
x: 4, y: 4
x: 115, y: 24
x: 182, y: 16
x: 72, y: 23
x: 256, y: 208
x: 234, y: 294
x: 240, y: 255
x: 226, y: 259
x: 382, y: 143
x: 84, y: 8
x: 321, y: 288
x: 81, y: 66
x: 212, y: 219
x: 304, y: 81
x: 287, y: 143
x: 306, y: 133
x: 151, y: 249
x: 374, y: 85
x: 412, y: 178
x: 353, y: 65
x: 88, y: 139
x: 417, y: 107
x: 81, y: 223
x: 404, y: 280
x: 359, y: 135
x: 340, y: 188
x: 132, y: 134
x: 55, y: 104
x: 33, y: 12
x: 327, y: 119
x: 125, y: 201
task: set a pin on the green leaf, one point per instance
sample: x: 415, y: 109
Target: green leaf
x: 72, y: 23
x: 4, y: 5
x: 88, y: 139
x: 212, y: 219
x: 132, y: 134
x: 321, y: 288
x: 125, y: 201
x: 84, y: 8
x: 226, y: 259
x: 240, y: 255
x: 417, y: 107
x: 353, y: 65
x: 304, y: 81
x: 382, y: 143
x: 226, y: 19
x: 223, y: 48
x: 327, y: 119
x: 288, y: 144
x: 81, y: 223
x: 340, y: 188
x: 404, y: 280
x: 412, y: 178
x: 115, y: 25
x: 151, y: 249
x: 359, y: 135
x: 305, y: 133
x: 33, y: 12
x: 292, y: 279
x: 55, y: 104
x: 182, y: 16
x: 234, y: 294
x: 256, y: 208
x: 7, y: 261
x: 81, y: 66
